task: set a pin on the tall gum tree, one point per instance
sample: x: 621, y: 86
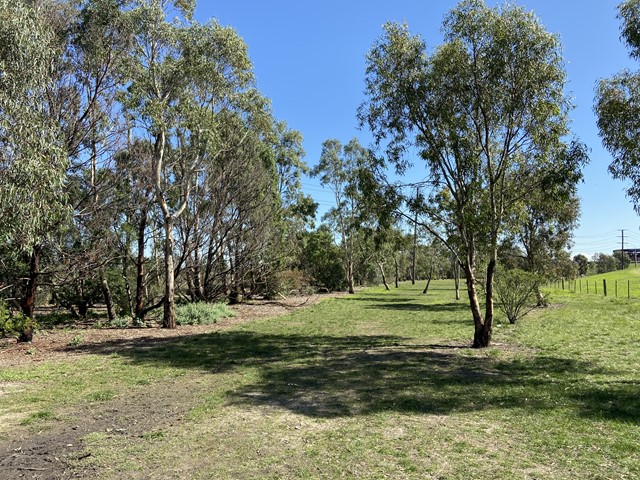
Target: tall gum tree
x: 183, y: 76
x: 58, y: 63
x: 484, y: 109
x: 339, y: 169
x: 617, y: 104
x: 33, y: 161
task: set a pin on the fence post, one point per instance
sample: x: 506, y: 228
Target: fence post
x: 604, y: 286
x: 595, y: 285
x: 580, y: 285
x: 616, y: 288
x: 562, y: 283
x: 629, y: 290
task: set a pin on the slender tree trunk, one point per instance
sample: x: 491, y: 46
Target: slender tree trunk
x: 234, y: 294
x: 397, y: 270
x: 198, y: 290
x: 169, y: 317
x: 426, y: 288
x: 481, y: 336
x: 197, y: 283
x: 208, y: 269
x: 384, y: 277
x: 127, y: 286
x: 350, y: 276
x: 140, y: 263
x: 489, y: 307
x: 190, y: 287
x: 415, y: 246
x: 106, y: 292
x: 456, y: 278
x: 29, y: 301
x: 541, y: 301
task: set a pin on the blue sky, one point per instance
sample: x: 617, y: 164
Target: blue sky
x: 309, y: 59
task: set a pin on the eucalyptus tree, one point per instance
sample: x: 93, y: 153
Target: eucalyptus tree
x: 338, y: 169
x: 297, y: 209
x: 483, y: 110
x: 582, y: 263
x: 59, y: 63
x: 33, y: 162
x: 183, y: 77
x: 617, y: 104
x: 549, y: 214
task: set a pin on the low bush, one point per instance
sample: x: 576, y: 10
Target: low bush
x: 202, y: 313
x: 515, y: 292
x: 14, y: 324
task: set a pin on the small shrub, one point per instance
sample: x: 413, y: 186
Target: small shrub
x: 120, y: 322
x: 13, y: 324
x: 516, y: 293
x: 76, y: 341
x: 292, y: 280
x: 202, y: 313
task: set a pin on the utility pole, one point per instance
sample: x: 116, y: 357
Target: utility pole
x: 622, y: 252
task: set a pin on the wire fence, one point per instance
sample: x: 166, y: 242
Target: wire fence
x: 629, y: 289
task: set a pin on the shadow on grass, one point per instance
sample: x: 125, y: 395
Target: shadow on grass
x: 421, y: 307
x: 324, y: 376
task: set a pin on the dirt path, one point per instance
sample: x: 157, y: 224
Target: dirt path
x: 58, y: 453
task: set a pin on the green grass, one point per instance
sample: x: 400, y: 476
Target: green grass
x: 627, y: 282
x: 376, y: 385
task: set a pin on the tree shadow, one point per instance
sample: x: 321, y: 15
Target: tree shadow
x: 421, y: 307
x: 615, y: 400
x: 380, y: 299
x: 327, y: 377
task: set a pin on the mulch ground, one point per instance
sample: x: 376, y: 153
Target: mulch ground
x: 54, y: 344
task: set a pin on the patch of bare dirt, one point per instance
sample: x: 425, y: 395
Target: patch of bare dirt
x: 58, y: 452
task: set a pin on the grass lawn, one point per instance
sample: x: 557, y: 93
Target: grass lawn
x: 375, y: 385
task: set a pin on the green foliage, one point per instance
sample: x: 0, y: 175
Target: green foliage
x: 516, y: 292
x: 605, y: 263
x: 293, y: 280
x: 488, y: 114
x: 322, y: 259
x: 14, y: 323
x: 617, y: 105
x: 120, y: 322
x: 201, y: 313
x: 80, y: 293
x: 582, y: 262
x: 32, y: 161
x: 623, y: 260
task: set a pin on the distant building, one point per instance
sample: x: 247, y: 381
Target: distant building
x: 633, y: 253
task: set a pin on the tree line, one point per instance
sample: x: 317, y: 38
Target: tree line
x: 140, y: 163
x: 135, y: 149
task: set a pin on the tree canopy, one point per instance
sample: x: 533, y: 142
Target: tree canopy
x: 617, y: 104
x: 488, y: 114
